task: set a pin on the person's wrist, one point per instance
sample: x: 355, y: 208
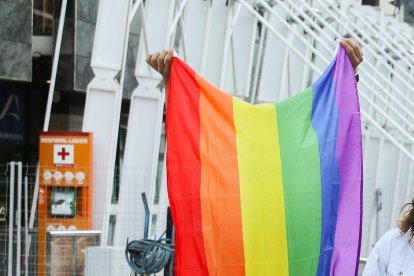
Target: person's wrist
x: 165, y: 80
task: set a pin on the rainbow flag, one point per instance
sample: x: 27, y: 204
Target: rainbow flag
x: 267, y: 189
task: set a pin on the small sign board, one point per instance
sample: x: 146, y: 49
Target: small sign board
x: 65, y: 158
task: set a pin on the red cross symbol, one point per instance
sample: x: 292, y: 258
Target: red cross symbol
x: 63, y: 153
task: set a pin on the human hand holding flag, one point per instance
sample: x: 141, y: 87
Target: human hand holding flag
x: 161, y: 61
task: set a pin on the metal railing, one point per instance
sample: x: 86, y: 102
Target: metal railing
x: 310, y: 21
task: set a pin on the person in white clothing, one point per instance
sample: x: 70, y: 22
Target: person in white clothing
x: 393, y: 254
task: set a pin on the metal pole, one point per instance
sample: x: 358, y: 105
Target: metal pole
x: 55, y: 65
x: 107, y: 207
x: 172, y: 258
x: 369, y: 76
x: 400, y: 182
x: 18, y: 217
x: 229, y: 33
x: 361, y: 94
x: 74, y: 259
x: 393, y: 140
x: 124, y: 58
x: 318, y: 71
x: 233, y: 66
x: 26, y: 226
x: 180, y: 22
x: 248, y: 82
x: 177, y: 17
x: 263, y: 34
x: 307, y: 28
x: 49, y: 102
x: 231, y: 23
x: 44, y: 16
x: 34, y: 201
x: 283, y: 39
x: 378, y: 190
x: 285, y: 68
x: 205, y: 43
x: 144, y: 30
x: 133, y: 11
x: 147, y: 214
x: 397, y: 189
x: 33, y: 209
x: 381, y: 31
x: 373, y: 52
x: 378, y: 197
x: 11, y: 217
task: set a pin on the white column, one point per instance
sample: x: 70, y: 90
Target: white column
x: 19, y: 218
x: 103, y: 104
x: 11, y: 218
x: 140, y: 162
x: 194, y: 29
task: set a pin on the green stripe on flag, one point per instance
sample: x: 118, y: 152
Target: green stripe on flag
x: 301, y: 182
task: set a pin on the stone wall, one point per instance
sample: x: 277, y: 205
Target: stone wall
x: 16, y: 40
x: 75, y: 72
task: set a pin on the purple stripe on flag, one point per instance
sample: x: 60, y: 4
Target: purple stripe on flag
x: 349, y: 156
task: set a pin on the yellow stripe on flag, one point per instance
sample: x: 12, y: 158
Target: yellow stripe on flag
x: 261, y: 189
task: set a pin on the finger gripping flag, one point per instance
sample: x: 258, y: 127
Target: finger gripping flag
x: 267, y: 189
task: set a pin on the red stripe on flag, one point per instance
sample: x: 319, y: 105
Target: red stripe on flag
x: 184, y: 169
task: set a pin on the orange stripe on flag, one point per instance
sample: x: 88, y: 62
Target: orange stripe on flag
x: 220, y: 190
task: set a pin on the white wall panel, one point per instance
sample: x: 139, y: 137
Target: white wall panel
x: 139, y: 168
x: 241, y: 55
x: 194, y: 25
x: 297, y: 71
x: 140, y: 161
x: 108, y: 53
x: 103, y: 104
x: 369, y: 203
x: 273, y: 55
x: 214, y: 37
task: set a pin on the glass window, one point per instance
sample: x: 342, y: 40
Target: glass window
x: 42, y: 17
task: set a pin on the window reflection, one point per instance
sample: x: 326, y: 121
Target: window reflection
x: 42, y: 17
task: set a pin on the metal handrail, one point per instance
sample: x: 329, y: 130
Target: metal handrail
x: 376, y: 107
x: 69, y: 233
x: 383, y: 62
x: 309, y: 30
x: 403, y: 79
x: 396, y: 47
x: 318, y: 71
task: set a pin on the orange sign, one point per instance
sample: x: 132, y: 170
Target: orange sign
x: 65, y: 158
x: 65, y: 190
